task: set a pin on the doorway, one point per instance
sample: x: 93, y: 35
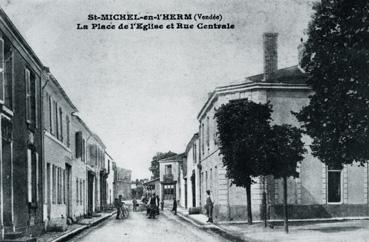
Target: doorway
x: 69, y: 190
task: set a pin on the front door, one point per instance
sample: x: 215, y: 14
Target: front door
x: 69, y: 190
x: 6, y: 128
x: 193, y: 185
x: 90, y: 191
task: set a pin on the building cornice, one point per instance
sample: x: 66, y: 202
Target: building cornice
x: 20, y: 43
x: 251, y: 86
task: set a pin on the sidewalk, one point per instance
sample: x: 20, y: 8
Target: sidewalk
x: 199, y: 221
x: 74, y: 228
x: 348, y: 229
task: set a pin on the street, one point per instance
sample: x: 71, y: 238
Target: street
x: 138, y: 227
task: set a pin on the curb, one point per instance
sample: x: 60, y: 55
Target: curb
x: 80, y: 229
x: 212, y: 227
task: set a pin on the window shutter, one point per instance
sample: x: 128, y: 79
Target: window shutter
x: 28, y: 94
x: 29, y: 174
x: 37, y: 178
x: 79, y: 144
x: 1, y: 70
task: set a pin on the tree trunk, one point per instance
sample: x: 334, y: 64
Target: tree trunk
x: 248, y: 197
x: 285, y: 204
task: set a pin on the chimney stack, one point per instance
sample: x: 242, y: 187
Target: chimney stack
x: 270, y: 54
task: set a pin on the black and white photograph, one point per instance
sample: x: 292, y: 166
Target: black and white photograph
x: 184, y: 120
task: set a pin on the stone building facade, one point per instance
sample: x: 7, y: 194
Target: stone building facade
x: 170, y: 170
x: 58, y: 157
x: 320, y: 191
x: 52, y: 166
x: 21, y: 198
x: 193, y: 172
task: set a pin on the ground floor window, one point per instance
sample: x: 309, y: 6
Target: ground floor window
x: 169, y: 192
x: 32, y: 175
x: 334, y: 185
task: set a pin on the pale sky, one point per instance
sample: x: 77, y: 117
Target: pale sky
x: 141, y: 91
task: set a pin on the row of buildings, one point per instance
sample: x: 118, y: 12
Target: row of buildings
x: 53, y: 167
x: 319, y: 191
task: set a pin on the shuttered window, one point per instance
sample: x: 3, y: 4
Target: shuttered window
x: 61, y: 124
x: 28, y: 94
x: 8, y: 74
x: 78, y: 144
x: 1, y: 70
x: 51, y: 115
x: 68, y: 130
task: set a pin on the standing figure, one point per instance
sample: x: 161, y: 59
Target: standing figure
x: 120, y: 205
x: 157, y: 202
x: 152, y: 204
x: 134, y: 203
x: 174, y: 206
x: 148, y: 204
x: 209, y: 207
x: 116, y: 205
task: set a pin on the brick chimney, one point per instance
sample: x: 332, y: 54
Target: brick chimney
x: 270, y: 54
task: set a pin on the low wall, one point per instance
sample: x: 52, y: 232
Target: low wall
x: 319, y: 211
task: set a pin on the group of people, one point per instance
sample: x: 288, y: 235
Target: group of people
x: 119, y: 205
x: 152, y: 202
x: 152, y: 205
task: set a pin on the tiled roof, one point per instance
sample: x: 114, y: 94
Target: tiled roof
x: 289, y: 75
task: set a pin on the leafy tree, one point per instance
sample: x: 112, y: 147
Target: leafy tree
x: 154, y: 168
x: 244, y: 130
x: 336, y: 59
x: 287, y: 151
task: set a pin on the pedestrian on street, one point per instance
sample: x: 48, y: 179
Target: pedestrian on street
x: 153, y: 206
x: 174, y: 206
x: 148, y: 204
x: 157, y: 202
x: 209, y: 207
x: 134, y: 203
x: 116, y: 205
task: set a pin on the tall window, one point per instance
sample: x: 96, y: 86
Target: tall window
x: 334, y: 185
x: 30, y: 78
x: 61, y: 124
x: 202, y: 138
x: 56, y: 119
x: 83, y: 150
x: 54, y: 184
x: 83, y: 193
x: 58, y: 184
x: 8, y: 77
x: 64, y: 187
x: 80, y: 191
x: 207, y: 133
x: 51, y: 115
x: 32, y: 176
x: 211, y: 180
x: 77, y: 192
x: 33, y: 98
x: 194, y: 153
x: 206, y: 180
x: 67, y: 120
x: 168, y: 169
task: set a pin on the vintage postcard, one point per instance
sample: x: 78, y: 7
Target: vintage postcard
x: 243, y: 120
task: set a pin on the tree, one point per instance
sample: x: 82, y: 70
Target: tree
x: 244, y: 129
x: 154, y: 168
x: 336, y: 59
x: 287, y: 151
